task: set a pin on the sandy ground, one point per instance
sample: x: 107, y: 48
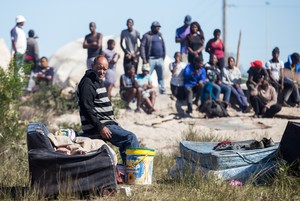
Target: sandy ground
x: 163, y: 131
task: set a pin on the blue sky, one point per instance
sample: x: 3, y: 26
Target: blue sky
x: 264, y: 24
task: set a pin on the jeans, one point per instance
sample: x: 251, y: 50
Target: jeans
x: 224, y: 89
x: 190, y: 91
x: 158, y: 66
x: 292, y: 89
x: 121, y: 138
x: 240, y: 96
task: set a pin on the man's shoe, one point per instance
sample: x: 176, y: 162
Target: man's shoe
x: 268, y: 142
x: 285, y: 104
x: 246, y: 109
x: 255, y: 145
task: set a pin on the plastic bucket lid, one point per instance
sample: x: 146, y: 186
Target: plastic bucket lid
x: 140, y: 151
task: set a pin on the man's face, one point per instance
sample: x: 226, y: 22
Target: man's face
x: 198, y: 65
x: 155, y: 29
x: 92, y: 27
x: 44, y: 63
x: 100, y: 67
x: 129, y: 24
x: 275, y: 55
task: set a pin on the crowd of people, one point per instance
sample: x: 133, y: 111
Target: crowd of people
x: 192, y: 79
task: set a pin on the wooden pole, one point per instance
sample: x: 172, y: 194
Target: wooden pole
x: 238, y: 50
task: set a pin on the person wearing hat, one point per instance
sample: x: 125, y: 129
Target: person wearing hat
x: 144, y: 82
x: 180, y: 36
x: 256, y: 74
x: 19, y: 43
x: 153, y: 51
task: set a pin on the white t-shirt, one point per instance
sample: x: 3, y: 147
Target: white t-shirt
x: 177, y: 78
x: 275, y: 68
x: 19, y: 38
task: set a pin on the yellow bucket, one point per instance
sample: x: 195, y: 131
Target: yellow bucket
x: 139, y: 165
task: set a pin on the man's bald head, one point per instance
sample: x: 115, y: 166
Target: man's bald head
x: 100, y: 66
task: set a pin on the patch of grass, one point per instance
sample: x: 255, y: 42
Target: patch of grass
x: 193, y: 134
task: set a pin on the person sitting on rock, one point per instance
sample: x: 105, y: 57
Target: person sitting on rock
x: 129, y: 89
x: 144, y: 82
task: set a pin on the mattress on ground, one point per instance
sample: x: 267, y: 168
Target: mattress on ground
x: 254, y: 172
x: 202, y: 153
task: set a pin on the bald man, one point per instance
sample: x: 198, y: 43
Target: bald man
x: 96, y: 112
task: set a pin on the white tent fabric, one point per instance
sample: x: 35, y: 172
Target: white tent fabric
x: 69, y: 63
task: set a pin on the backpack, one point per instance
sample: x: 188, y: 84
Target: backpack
x: 214, y: 109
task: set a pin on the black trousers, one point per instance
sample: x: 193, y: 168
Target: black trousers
x: 258, y: 106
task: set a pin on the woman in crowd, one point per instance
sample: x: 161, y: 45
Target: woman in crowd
x: 232, y: 77
x: 195, y: 42
x: 177, y: 79
x: 216, y: 46
x: 218, y: 86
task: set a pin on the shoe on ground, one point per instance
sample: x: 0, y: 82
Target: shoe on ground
x: 285, y: 104
x: 137, y: 110
x: 255, y: 145
x: 268, y: 142
x: 246, y: 109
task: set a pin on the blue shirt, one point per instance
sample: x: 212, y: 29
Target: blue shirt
x: 157, y: 46
x: 191, y: 80
x: 182, y: 32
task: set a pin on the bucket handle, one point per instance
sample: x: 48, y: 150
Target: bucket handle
x: 137, y: 162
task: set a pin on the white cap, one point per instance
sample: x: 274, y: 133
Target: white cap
x: 20, y: 18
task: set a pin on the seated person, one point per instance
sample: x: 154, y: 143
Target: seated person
x: 129, y: 88
x: 264, y: 99
x: 291, y: 79
x: 177, y: 80
x: 232, y: 77
x: 218, y: 86
x: 194, y: 80
x: 144, y: 82
x: 112, y: 56
x: 44, y: 73
x: 255, y: 73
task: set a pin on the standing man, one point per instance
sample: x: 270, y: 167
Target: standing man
x: 93, y: 43
x: 181, y: 34
x: 19, y: 43
x: 131, y: 48
x: 153, y: 51
x: 32, y: 52
x: 96, y: 112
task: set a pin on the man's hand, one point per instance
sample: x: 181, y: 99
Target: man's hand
x: 105, y: 133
